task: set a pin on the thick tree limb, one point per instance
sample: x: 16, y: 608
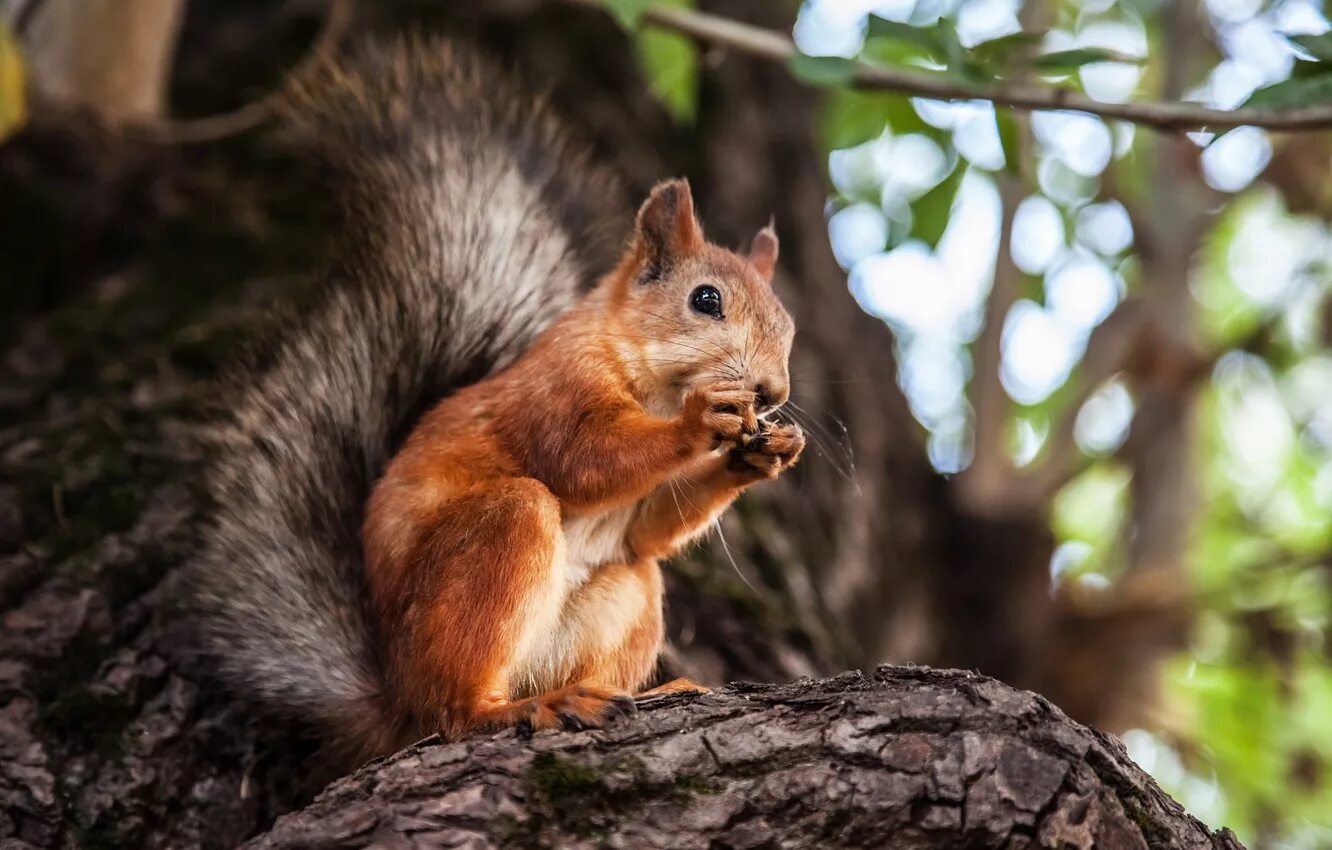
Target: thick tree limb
x: 907, y: 758
x: 1163, y: 115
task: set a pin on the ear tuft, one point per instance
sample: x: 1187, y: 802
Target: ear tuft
x: 666, y: 229
x: 763, y: 251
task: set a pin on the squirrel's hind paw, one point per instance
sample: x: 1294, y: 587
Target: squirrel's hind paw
x: 573, y: 707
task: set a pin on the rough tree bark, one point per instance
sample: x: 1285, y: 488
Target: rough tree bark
x: 108, y: 737
x: 908, y: 758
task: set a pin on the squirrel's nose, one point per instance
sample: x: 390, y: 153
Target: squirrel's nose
x: 768, y: 398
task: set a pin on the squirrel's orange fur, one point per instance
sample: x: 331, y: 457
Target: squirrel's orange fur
x: 511, y: 546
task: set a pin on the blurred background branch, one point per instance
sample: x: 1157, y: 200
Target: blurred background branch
x: 114, y: 62
x: 1164, y: 115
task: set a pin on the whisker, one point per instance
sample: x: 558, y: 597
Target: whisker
x: 751, y: 345
x: 836, y: 448
x: 825, y: 382
x: 726, y: 547
x: 709, y: 360
x: 721, y: 349
x: 676, y: 498
x: 659, y: 339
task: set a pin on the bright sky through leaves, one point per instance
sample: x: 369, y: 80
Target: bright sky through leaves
x: 916, y: 222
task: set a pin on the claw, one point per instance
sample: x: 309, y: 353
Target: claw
x: 622, y: 705
x: 571, y: 722
x: 756, y: 442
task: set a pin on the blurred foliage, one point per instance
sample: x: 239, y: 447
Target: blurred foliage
x: 670, y: 63
x: 13, y: 84
x: 1243, y: 735
x: 669, y: 60
x: 1310, y: 80
x: 938, y: 46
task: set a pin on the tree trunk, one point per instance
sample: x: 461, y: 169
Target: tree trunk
x: 911, y: 758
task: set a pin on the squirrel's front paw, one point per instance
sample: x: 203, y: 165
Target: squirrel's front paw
x: 769, y: 453
x: 721, y: 413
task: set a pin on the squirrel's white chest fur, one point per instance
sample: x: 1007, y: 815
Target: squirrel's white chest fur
x: 558, y: 628
x: 595, y: 540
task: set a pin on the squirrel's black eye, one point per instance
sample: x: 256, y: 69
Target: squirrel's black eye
x: 706, y: 300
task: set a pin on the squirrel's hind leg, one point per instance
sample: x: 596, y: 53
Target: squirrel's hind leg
x: 610, y: 632
x: 469, y: 600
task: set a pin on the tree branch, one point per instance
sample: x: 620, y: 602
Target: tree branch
x: 987, y: 484
x: 1162, y: 115
x: 246, y: 117
x: 910, y: 757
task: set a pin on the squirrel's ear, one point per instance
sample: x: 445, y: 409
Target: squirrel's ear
x: 763, y: 251
x: 666, y: 227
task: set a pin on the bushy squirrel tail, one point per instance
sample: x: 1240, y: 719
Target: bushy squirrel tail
x: 468, y: 219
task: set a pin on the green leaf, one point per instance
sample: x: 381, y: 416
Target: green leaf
x: 670, y: 63
x: 930, y: 212
x: 1091, y: 507
x: 895, y: 52
x: 822, y: 70
x: 954, y: 54
x: 972, y: 71
x: 896, y: 43
x: 1010, y: 140
x: 1303, y: 91
x: 1071, y: 60
x: 1001, y: 49
x: 852, y: 117
x: 1302, y: 69
x: 926, y: 39
x: 1317, y: 46
x: 903, y: 118
x: 628, y: 12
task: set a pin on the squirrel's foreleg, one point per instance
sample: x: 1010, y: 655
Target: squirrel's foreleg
x: 619, y: 453
x: 683, y: 507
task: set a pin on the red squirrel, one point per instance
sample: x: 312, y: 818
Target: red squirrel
x: 438, y: 503
x: 512, y: 545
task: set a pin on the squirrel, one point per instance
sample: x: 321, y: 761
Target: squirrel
x: 441, y: 505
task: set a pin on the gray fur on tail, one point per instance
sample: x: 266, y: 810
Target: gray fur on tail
x: 468, y: 221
